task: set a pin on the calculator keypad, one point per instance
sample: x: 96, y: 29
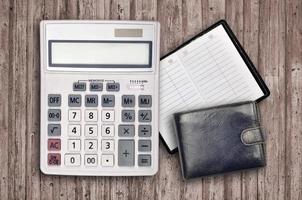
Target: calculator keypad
x: 96, y: 133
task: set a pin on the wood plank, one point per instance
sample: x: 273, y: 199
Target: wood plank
x: 293, y: 64
x: 119, y: 10
x: 170, y: 179
x: 17, y: 104
x: 4, y: 90
x: 34, y: 16
x: 212, y: 11
x: 51, y: 185
x: 250, y: 43
x: 191, y: 25
x: 271, y: 66
x: 234, y: 16
x: 271, y: 32
x: 148, y: 189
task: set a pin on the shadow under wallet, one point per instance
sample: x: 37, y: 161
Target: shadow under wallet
x: 220, y: 139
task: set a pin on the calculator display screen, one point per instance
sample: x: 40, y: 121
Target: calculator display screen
x: 100, y: 54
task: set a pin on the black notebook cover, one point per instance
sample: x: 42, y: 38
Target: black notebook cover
x: 220, y: 139
x: 240, y: 50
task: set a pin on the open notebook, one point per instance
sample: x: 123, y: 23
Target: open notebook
x: 209, y: 70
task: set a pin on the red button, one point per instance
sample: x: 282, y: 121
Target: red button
x: 54, y: 144
x: 54, y: 159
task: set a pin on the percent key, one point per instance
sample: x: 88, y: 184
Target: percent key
x: 128, y: 116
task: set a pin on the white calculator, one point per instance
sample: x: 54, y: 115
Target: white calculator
x: 99, y: 98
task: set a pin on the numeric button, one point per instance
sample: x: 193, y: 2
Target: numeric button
x: 91, y: 145
x: 72, y: 159
x: 91, y: 160
x: 54, y: 100
x: 74, y: 130
x: 107, y: 130
x: 91, y: 115
x: 91, y: 130
x: 54, y: 115
x: 74, y: 115
x: 74, y: 145
x: 107, y: 115
x: 74, y: 100
x: 107, y: 145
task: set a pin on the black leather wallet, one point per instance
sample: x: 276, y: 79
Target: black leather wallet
x: 220, y: 139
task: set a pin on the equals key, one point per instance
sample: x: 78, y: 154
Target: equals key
x: 144, y: 160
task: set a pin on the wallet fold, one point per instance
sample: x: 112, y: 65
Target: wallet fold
x: 220, y: 139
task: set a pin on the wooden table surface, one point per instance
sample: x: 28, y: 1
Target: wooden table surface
x: 269, y: 30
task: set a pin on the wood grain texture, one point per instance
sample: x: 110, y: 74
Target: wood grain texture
x: 269, y: 30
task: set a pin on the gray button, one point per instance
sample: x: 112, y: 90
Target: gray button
x: 144, y: 116
x: 96, y: 86
x: 128, y: 115
x: 54, y: 129
x: 128, y: 100
x: 113, y: 87
x: 74, y: 100
x: 108, y: 100
x: 126, y: 131
x: 144, y: 101
x: 79, y: 86
x: 144, y: 145
x: 144, y: 160
x: 126, y: 152
x: 54, y: 100
x: 91, y: 100
x: 54, y: 115
x: 144, y: 131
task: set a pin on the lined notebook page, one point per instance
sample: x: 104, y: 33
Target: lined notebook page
x: 207, y: 72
